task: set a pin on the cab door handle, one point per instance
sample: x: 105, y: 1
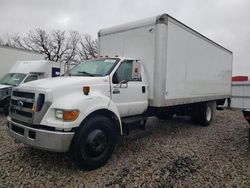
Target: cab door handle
x: 116, y: 91
x: 143, y: 89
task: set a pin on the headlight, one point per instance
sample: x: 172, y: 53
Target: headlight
x: 59, y: 114
x: 66, y: 115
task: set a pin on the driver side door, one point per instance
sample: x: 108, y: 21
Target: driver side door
x: 129, y: 95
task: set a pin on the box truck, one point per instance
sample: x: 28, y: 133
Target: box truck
x: 153, y: 67
x: 23, y: 72
x: 10, y: 55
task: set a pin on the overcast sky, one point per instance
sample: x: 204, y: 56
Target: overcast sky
x: 227, y: 22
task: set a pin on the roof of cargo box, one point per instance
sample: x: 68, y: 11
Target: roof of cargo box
x: 30, y: 66
x: 162, y: 18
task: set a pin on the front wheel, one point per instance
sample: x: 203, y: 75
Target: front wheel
x: 94, y: 143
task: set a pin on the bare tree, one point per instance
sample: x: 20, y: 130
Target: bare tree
x: 88, y: 48
x: 39, y: 41
x: 13, y: 40
x: 2, y: 42
x: 57, y: 45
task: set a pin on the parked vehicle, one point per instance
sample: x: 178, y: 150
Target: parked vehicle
x: 23, y: 72
x: 154, y: 67
x: 10, y: 55
x: 246, y: 114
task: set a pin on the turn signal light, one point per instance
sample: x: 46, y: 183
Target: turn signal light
x: 86, y: 90
x: 70, y: 115
x: 33, y: 108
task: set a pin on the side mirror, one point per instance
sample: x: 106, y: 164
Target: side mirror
x: 136, y: 70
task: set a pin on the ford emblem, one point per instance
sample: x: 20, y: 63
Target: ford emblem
x: 20, y: 104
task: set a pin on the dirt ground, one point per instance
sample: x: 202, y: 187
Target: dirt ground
x: 176, y: 154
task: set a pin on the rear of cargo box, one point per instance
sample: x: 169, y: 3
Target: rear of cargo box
x: 182, y: 66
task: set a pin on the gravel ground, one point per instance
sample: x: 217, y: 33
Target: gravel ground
x: 177, y: 154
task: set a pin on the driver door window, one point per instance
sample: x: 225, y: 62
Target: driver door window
x: 124, y: 72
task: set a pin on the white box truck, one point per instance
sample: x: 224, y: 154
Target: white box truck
x: 23, y: 72
x: 9, y: 55
x: 153, y: 67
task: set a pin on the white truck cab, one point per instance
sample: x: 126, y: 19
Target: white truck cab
x: 159, y: 72
x: 23, y: 72
x: 49, y: 113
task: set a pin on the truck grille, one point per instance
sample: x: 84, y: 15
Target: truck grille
x: 24, y: 94
x: 24, y: 105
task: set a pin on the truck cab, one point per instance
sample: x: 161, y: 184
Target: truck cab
x: 52, y: 114
x: 23, y: 72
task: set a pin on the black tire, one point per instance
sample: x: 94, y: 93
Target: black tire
x: 195, y: 115
x: 203, y: 114
x: 249, y: 136
x: 94, y: 143
x: 6, y: 107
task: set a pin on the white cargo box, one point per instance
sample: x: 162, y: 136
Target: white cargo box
x: 48, y: 68
x: 182, y: 65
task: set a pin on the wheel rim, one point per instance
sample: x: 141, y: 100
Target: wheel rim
x: 209, y: 113
x: 96, y: 143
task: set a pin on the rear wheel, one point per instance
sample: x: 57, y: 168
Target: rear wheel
x: 94, y: 143
x: 203, y: 114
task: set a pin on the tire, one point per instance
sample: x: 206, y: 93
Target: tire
x: 249, y: 136
x: 94, y: 143
x: 203, y: 114
x: 6, y: 107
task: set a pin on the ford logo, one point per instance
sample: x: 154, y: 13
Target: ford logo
x: 20, y: 104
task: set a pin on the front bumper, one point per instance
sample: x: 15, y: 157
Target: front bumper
x: 43, y: 139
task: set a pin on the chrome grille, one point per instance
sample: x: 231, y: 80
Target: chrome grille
x: 21, y: 105
x: 29, y: 106
x: 25, y: 104
x: 23, y: 94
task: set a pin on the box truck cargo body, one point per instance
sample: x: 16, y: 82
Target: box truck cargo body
x: 182, y: 66
x: 9, y: 55
x: 154, y: 67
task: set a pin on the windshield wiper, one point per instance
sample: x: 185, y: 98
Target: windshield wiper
x: 89, y: 74
x: 5, y: 83
x: 84, y: 72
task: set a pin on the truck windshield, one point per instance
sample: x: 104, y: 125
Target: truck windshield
x: 97, y: 67
x: 13, y: 79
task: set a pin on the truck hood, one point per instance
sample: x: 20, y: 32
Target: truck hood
x: 66, y: 82
x: 2, y: 86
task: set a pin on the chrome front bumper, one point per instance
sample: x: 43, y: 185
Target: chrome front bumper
x: 43, y: 139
